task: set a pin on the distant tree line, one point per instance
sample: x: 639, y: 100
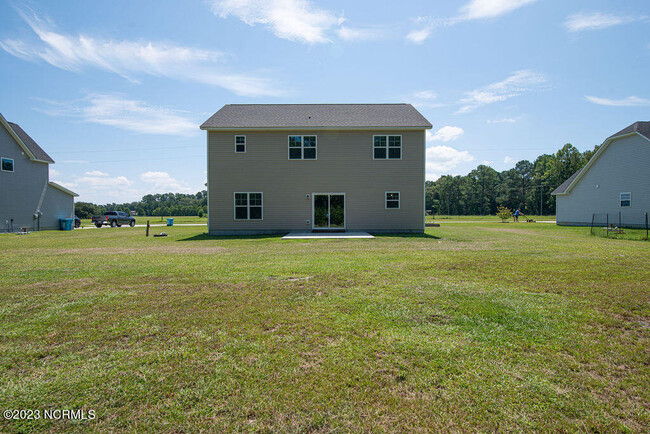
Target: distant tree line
x: 527, y: 186
x: 165, y: 204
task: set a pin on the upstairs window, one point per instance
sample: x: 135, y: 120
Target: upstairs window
x: 392, y: 200
x: 7, y: 165
x: 302, y: 147
x: 240, y: 143
x: 626, y: 199
x: 248, y: 206
x: 387, y: 147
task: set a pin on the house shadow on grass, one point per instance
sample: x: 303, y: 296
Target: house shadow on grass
x: 406, y: 235
x: 206, y: 237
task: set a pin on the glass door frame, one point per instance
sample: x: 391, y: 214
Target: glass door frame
x: 313, y: 212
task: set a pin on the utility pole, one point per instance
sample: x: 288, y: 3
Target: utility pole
x: 541, y: 198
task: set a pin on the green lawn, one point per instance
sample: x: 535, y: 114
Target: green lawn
x: 484, y: 218
x: 480, y: 326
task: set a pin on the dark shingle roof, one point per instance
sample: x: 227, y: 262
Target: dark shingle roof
x: 640, y: 127
x: 33, y: 147
x: 562, y: 188
x: 316, y: 116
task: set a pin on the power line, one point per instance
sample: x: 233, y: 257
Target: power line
x: 128, y: 149
x: 132, y: 159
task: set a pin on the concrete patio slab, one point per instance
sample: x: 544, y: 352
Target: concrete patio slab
x: 325, y: 235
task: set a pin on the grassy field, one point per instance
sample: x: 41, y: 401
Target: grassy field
x: 484, y: 218
x: 488, y: 327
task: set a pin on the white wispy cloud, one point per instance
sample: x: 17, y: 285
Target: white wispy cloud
x: 630, y: 101
x: 353, y: 34
x: 424, y: 99
x: 516, y: 84
x: 96, y: 173
x: 479, y: 9
x: 163, y: 182
x: 295, y: 20
x: 502, y: 121
x: 445, y: 134
x: 508, y: 160
x: 582, y: 21
x: 474, y: 10
x: 424, y: 27
x: 133, y: 60
x: 127, y: 114
x: 442, y: 159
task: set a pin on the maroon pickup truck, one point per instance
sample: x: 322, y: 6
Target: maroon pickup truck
x: 113, y: 218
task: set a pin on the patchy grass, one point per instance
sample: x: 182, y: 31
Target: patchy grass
x: 472, y: 327
x: 484, y: 218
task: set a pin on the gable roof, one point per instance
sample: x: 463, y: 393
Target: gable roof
x: 63, y: 189
x: 562, y: 188
x: 641, y: 128
x: 28, y: 144
x: 311, y: 116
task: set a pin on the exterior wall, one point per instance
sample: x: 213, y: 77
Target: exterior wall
x: 624, y: 166
x: 344, y: 164
x: 21, y: 190
x: 56, y: 205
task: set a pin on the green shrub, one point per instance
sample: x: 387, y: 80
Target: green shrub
x: 504, y: 213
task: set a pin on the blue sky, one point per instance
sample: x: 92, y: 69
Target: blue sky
x: 115, y: 91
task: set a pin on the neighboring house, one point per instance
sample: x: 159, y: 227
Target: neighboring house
x: 613, y: 186
x: 300, y: 167
x: 27, y: 196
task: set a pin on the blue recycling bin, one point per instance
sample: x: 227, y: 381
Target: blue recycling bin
x: 66, y: 224
x: 170, y: 222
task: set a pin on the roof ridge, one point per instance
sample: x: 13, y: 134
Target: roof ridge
x: 326, y: 103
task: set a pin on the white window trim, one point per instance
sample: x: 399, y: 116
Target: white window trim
x: 13, y: 166
x: 245, y: 144
x: 620, y: 199
x: 248, y: 206
x: 302, y: 147
x: 401, y: 146
x: 399, y: 199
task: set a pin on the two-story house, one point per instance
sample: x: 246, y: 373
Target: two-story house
x: 28, y: 199
x: 274, y: 168
x: 614, y: 186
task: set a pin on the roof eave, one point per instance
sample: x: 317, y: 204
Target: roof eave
x: 315, y: 128
x: 63, y: 189
x: 597, y: 155
x: 18, y: 140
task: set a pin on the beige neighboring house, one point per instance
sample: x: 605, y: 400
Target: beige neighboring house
x: 28, y: 199
x: 276, y: 168
x: 613, y: 186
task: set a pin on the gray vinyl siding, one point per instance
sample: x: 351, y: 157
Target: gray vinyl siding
x: 622, y: 167
x: 344, y: 164
x: 21, y: 190
x: 56, y: 205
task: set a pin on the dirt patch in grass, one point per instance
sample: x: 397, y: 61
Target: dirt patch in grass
x: 76, y: 283
x: 510, y: 230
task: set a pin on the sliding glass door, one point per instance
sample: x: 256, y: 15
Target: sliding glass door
x: 329, y: 211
